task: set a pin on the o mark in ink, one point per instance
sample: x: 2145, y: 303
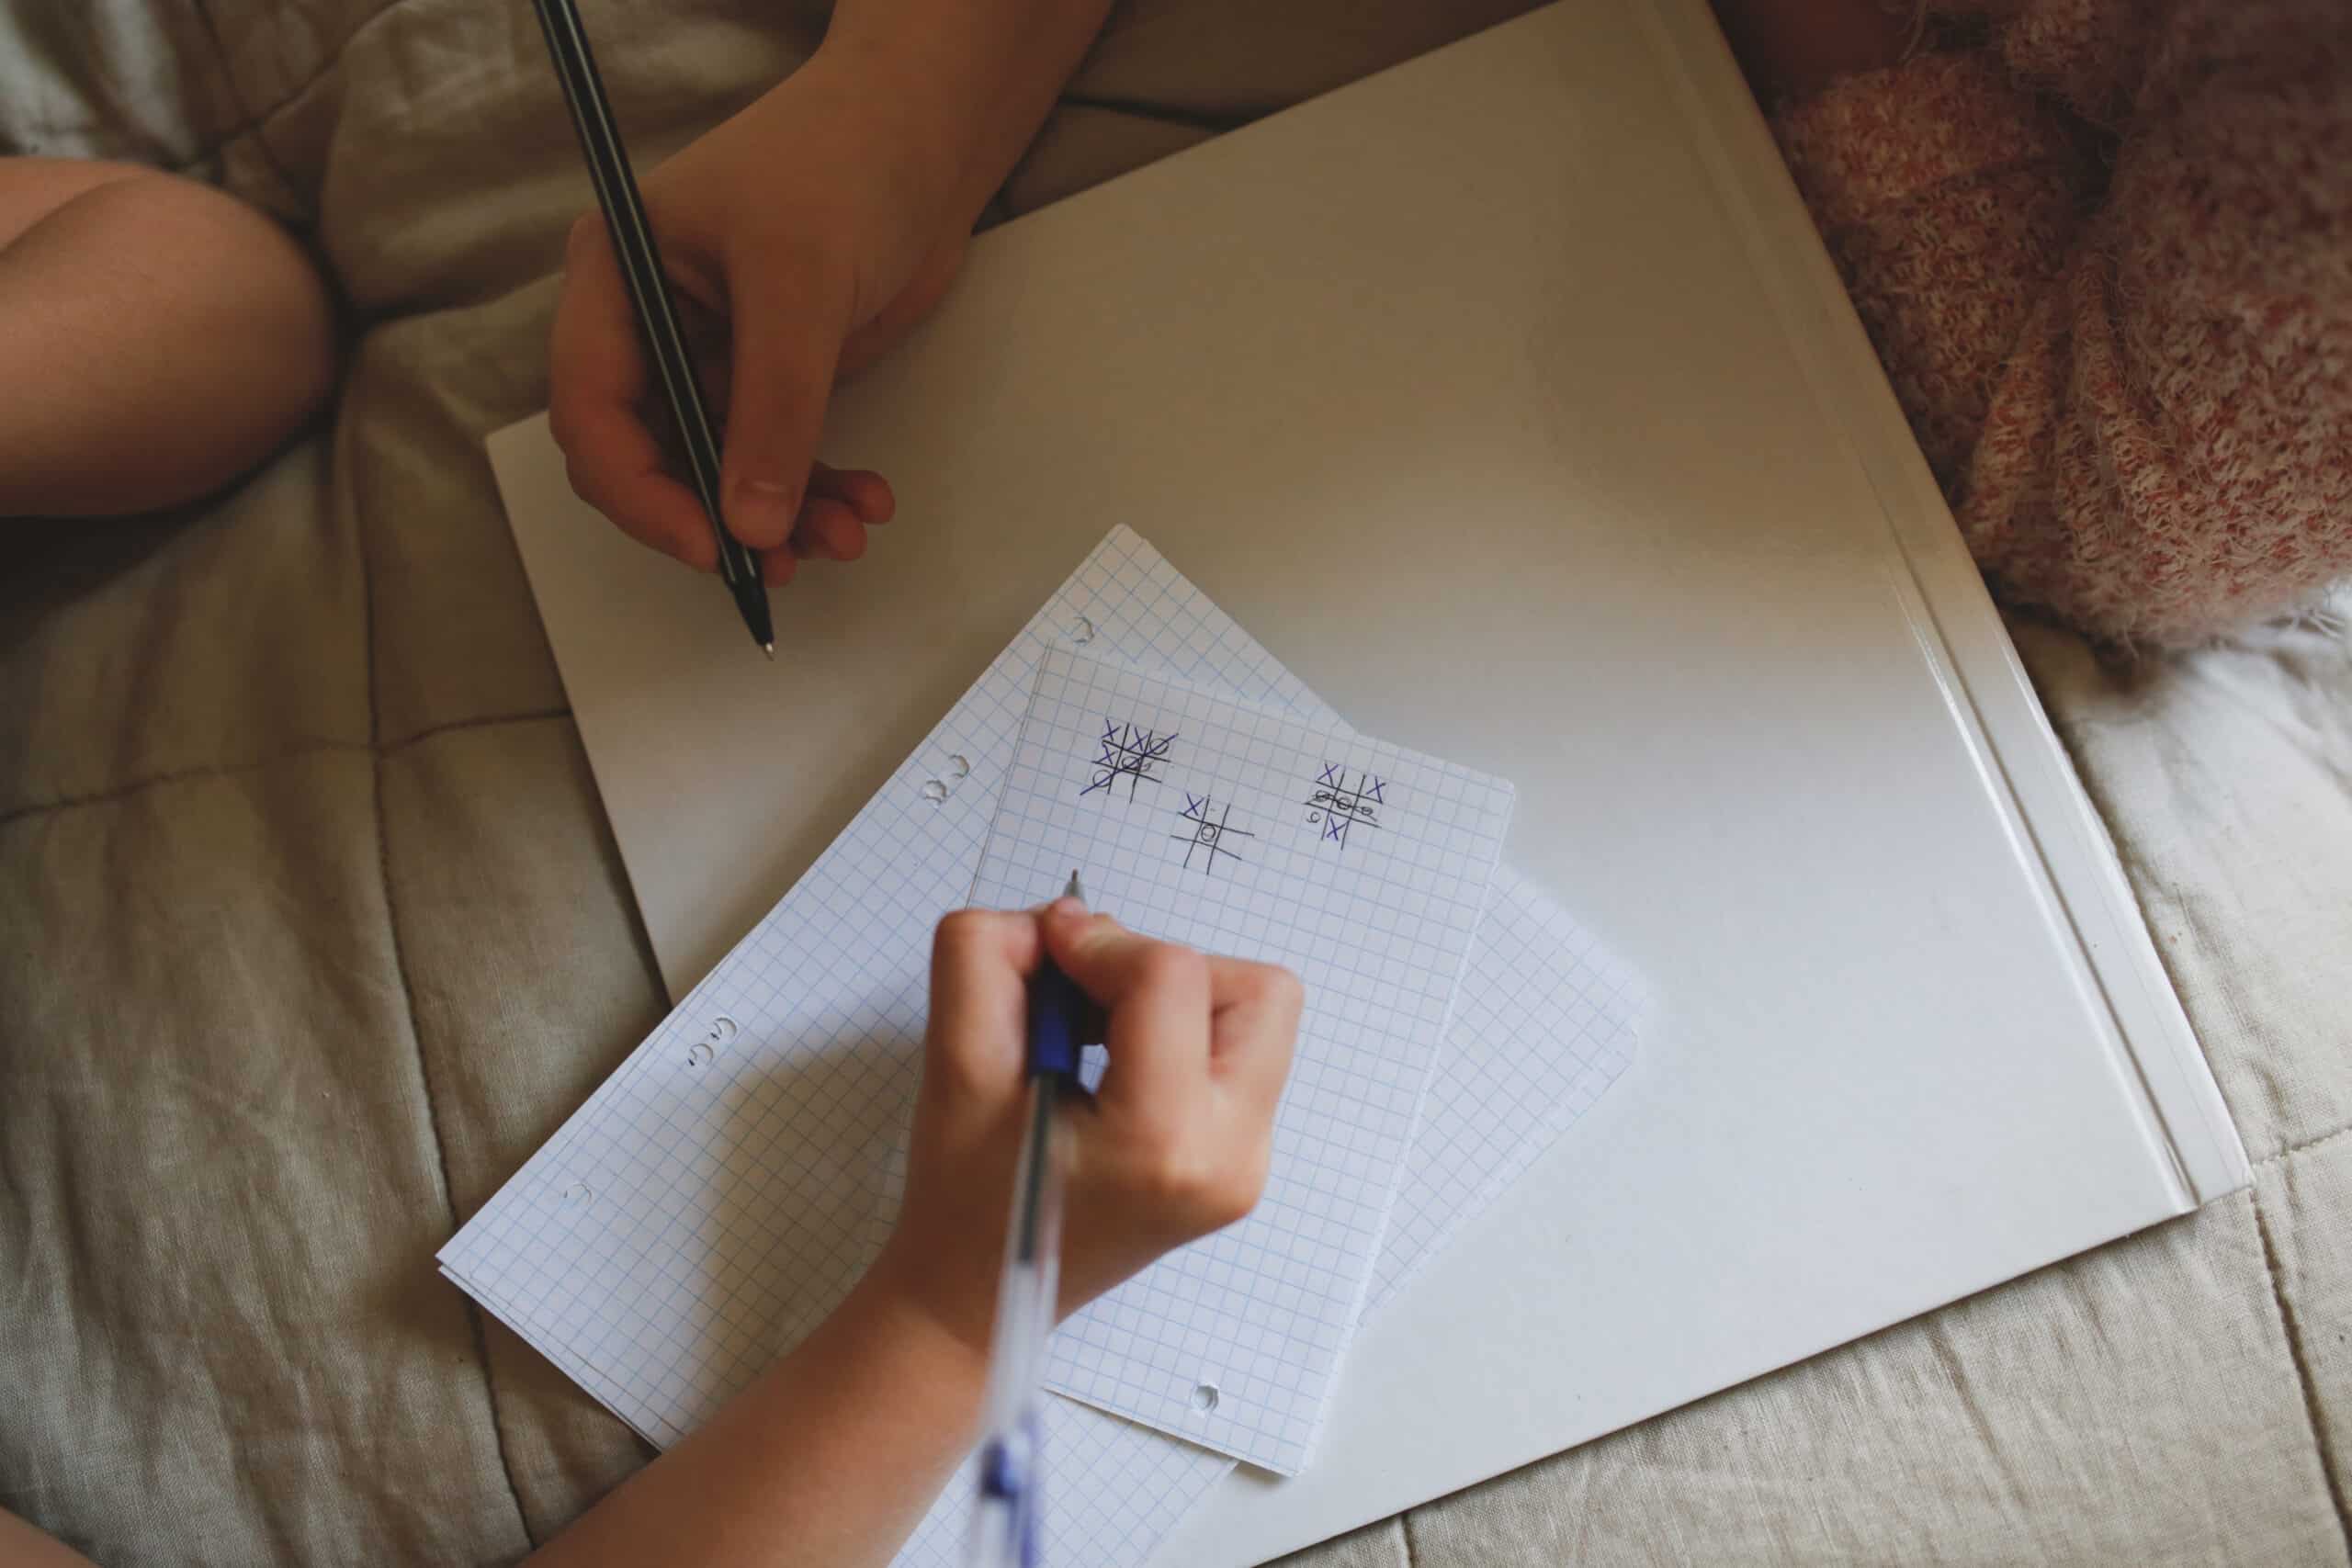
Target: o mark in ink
x: 1337, y: 806
x: 1126, y: 752
x: 1209, y: 826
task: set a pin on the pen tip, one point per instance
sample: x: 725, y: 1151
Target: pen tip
x: 1074, y: 890
x: 768, y: 649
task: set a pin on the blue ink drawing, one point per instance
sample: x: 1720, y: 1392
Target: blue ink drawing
x: 1209, y: 826
x: 1126, y: 754
x: 1339, y: 808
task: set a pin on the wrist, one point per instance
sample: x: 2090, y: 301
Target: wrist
x: 914, y: 116
x: 957, y: 1314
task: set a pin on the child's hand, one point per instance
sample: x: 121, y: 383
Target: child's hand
x: 802, y: 237
x: 1175, y: 1146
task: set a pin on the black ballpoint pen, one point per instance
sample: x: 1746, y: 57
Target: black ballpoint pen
x: 657, y: 319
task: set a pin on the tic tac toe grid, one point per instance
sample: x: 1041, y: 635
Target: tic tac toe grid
x: 662, y: 1306
x: 1200, y: 821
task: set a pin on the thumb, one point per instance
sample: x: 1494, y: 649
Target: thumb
x: 1101, y: 954
x: 784, y: 355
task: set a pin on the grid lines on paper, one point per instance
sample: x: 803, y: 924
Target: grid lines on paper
x: 1376, y: 925
x: 695, y: 1218
x: 596, y: 1304
x: 1547, y: 1019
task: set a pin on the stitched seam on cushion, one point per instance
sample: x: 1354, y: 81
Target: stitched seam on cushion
x: 317, y: 748
x: 2321, y: 1448
x: 203, y: 9
x: 1405, y: 1534
x: 176, y: 775
x: 327, y: 66
x: 249, y: 123
x: 416, y: 1036
x: 256, y: 124
x: 486, y: 721
x: 2291, y: 1150
x: 441, y: 1151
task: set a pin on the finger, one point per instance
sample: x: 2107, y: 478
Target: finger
x: 980, y: 962
x: 597, y: 379
x: 1157, y: 995
x: 783, y: 376
x: 829, y: 530
x: 709, y: 347
x: 777, y: 566
x: 867, y: 492
x: 631, y: 488
x: 1253, y: 1027
x: 593, y: 355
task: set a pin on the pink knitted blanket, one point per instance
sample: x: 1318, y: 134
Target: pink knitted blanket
x: 2106, y: 256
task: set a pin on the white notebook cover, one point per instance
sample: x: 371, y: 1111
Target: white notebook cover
x: 1516, y: 369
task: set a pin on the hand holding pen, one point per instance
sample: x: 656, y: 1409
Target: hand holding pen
x: 1022, y: 1189
x: 799, y: 240
x: 833, y: 1453
x: 1174, y: 1145
x: 1063, y: 1021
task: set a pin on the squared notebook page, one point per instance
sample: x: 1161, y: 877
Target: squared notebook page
x: 1546, y: 1019
x: 714, y: 1197
x: 613, y: 1299
x: 1361, y: 866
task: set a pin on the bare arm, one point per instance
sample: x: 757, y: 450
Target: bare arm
x: 970, y: 83
x: 833, y: 1455
x: 830, y: 1457
x: 21, y: 1546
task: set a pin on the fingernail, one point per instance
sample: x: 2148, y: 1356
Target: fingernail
x: 762, y: 513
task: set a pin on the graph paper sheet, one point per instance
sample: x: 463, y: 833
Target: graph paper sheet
x: 1359, y: 866
x: 620, y: 1254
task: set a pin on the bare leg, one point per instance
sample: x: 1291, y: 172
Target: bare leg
x: 157, y: 338
x: 26, y: 1547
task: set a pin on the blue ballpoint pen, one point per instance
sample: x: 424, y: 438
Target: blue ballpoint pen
x: 1004, y: 1516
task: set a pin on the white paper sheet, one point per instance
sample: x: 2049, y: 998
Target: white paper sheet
x: 618, y: 1251
x: 1359, y: 866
